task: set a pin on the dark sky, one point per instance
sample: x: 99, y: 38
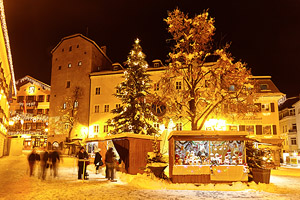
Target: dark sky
x: 264, y: 34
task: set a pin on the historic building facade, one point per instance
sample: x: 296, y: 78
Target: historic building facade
x: 73, y: 59
x: 29, y: 112
x: 7, y: 81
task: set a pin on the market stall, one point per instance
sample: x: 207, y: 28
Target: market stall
x: 207, y: 156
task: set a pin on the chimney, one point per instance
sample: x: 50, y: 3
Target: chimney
x: 103, y: 48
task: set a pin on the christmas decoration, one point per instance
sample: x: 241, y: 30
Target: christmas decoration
x: 134, y: 115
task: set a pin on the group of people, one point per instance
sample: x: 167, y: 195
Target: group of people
x: 110, y: 162
x: 47, y: 159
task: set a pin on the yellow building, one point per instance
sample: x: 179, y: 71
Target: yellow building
x: 7, y: 80
x: 29, y: 112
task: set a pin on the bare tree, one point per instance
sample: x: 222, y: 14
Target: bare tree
x: 194, y: 88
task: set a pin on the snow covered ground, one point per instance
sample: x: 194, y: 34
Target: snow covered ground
x: 16, y: 184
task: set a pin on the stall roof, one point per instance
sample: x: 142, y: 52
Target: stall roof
x: 208, y: 133
x: 131, y: 135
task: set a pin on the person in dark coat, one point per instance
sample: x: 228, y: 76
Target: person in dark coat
x: 44, y: 164
x: 98, y: 160
x: 110, y: 163
x: 32, y: 159
x: 82, y: 162
x: 54, y: 159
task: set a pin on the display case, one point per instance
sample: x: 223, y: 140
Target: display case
x: 207, y: 156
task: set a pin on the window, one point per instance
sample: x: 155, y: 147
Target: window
x: 179, y: 126
x: 69, y: 65
x: 75, y: 104
x: 68, y: 84
x: 46, y: 111
x: 178, y: 85
x: 38, y: 125
x: 77, y: 45
x: 265, y: 107
x: 294, y: 126
x: 250, y: 129
x: 48, y: 98
x: 66, y: 126
x: 274, y: 130
x: 263, y: 86
x: 20, y: 99
x: 29, y: 110
x: 292, y: 112
x: 59, y: 67
x: 156, y: 64
x: 267, y: 130
x: 64, y: 106
x: 98, y: 91
x: 63, y: 50
x: 106, y: 108
x: 96, y: 128
x: 96, y: 108
x: 298, y: 111
x: 39, y: 111
x: 156, y: 86
x: 156, y: 126
x: 41, y: 98
x: 117, y: 91
x: 231, y: 88
x: 70, y: 48
x: 105, y: 128
x: 293, y: 141
x: 118, y: 106
x: 30, y: 99
x: 79, y: 63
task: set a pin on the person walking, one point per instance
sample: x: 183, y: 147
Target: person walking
x: 98, y: 160
x: 82, y: 161
x: 54, y: 159
x: 110, y: 164
x: 44, y: 164
x: 32, y: 159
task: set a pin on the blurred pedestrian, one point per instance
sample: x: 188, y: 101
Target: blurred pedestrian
x: 32, y: 159
x: 110, y: 164
x: 44, y: 164
x: 54, y: 159
x: 82, y: 163
x: 98, y: 160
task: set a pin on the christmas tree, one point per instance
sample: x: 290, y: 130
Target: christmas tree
x: 134, y: 115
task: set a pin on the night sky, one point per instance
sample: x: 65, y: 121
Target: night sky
x: 264, y: 34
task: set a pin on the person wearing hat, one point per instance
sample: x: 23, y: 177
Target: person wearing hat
x: 98, y: 160
x: 82, y: 155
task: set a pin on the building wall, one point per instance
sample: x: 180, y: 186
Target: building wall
x: 7, y: 82
x: 84, y: 56
x: 297, y: 113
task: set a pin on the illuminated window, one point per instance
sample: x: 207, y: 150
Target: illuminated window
x: 31, y: 89
x: 79, y: 63
x: 96, y: 108
x: 69, y: 65
x: 64, y: 106
x: 66, y: 126
x: 96, y: 128
x: 98, y: 91
x: 75, y: 104
x: 293, y: 141
x: 156, y: 86
x: 178, y: 85
x: 68, y: 84
x: 106, y: 108
x: 267, y: 130
x: 105, y: 128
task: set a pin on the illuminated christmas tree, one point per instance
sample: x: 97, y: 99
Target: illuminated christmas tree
x: 134, y: 115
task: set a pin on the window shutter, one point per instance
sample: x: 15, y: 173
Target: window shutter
x: 274, y: 130
x: 258, y: 129
x: 272, y: 107
x: 242, y: 128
